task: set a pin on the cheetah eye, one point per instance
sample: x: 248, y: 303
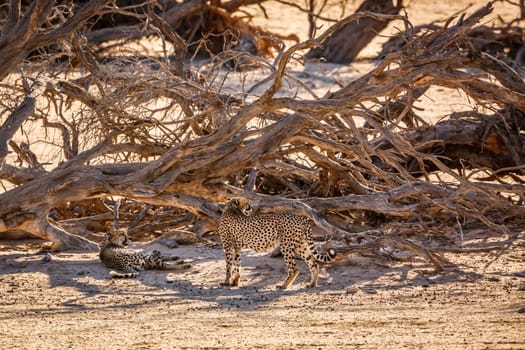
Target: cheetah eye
x: 124, y: 239
x: 247, y: 210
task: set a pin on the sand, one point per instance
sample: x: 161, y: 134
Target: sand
x: 70, y: 302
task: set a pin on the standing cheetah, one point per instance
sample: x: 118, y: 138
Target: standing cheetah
x: 263, y: 232
x: 114, y: 253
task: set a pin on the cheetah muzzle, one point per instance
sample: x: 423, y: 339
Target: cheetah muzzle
x: 291, y: 232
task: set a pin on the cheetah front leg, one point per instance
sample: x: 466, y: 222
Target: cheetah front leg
x: 236, y: 274
x: 233, y: 265
x: 125, y: 271
x: 229, y: 252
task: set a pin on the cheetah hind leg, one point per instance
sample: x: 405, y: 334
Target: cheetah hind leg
x: 289, y: 258
x: 314, y: 272
x: 173, y: 262
x: 165, y: 262
x: 175, y: 265
x: 155, y: 254
x: 292, y: 275
x: 313, y: 266
x: 170, y: 257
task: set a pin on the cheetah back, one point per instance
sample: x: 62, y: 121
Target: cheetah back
x: 264, y: 232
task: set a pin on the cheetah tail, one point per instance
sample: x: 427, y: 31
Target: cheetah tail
x: 116, y: 274
x: 323, y: 257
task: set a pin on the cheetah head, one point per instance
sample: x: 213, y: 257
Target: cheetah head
x: 117, y: 237
x: 241, y: 204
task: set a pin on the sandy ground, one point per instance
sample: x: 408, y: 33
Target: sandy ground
x: 71, y: 303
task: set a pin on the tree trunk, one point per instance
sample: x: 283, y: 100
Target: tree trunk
x: 345, y: 44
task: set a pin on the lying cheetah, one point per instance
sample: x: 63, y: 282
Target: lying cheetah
x: 263, y: 232
x: 115, y: 254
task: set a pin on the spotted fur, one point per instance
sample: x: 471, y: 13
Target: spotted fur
x: 127, y: 263
x: 291, y: 232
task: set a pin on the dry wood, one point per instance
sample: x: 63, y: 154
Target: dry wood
x: 345, y: 44
x: 137, y: 128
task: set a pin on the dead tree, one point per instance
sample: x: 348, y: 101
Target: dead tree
x: 345, y: 44
x: 135, y: 128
